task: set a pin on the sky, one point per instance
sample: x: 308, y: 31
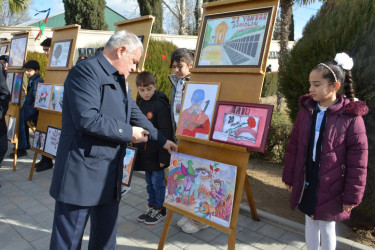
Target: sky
x: 129, y: 9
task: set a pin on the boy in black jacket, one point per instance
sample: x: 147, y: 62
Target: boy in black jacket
x: 150, y: 157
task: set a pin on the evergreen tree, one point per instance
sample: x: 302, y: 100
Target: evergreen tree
x: 291, y: 29
x: 277, y: 28
x: 152, y: 7
x: 87, y: 13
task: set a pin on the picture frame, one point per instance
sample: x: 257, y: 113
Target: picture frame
x: 60, y: 53
x: 233, y: 39
x: 90, y: 51
x: 43, y: 96
x: 17, y: 52
x: 57, y: 98
x: 201, y: 187
x: 9, y: 81
x: 11, y: 127
x: 52, y: 140
x: 17, y: 86
x: 3, y: 49
x: 242, y: 124
x: 39, y: 140
x: 128, y: 165
x: 197, y: 109
x: 82, y: 52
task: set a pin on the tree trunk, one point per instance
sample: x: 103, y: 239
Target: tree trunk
x: 182, y: 18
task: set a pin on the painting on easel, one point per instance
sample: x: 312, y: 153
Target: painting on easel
x: 202, y: 187
x: 43, y: 96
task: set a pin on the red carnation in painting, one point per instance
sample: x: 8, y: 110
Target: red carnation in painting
x: 251, y: 122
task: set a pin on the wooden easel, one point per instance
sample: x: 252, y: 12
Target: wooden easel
x: 237, y: 85
x: 14, y: 108
x: 140, y: 26
x: 55, y: 76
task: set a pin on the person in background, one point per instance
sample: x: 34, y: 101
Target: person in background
x: 150, y: 157
x: 46, y: 46
x: 4, y: 59
x: 269, y: 68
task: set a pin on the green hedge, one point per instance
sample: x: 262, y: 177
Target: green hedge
x: 340, y: 25
x: 41, y: 58
x: 269, y: 84
x: 157, y: 62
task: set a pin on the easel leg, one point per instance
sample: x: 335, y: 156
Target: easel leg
x: 32, y: 167
x: 232, y: 240
x: 164, y: 234
x: 250, y: 198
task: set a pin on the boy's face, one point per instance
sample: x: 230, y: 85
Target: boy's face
x: 182, y: 69
x: 31, y: 72
x: 146, y: 92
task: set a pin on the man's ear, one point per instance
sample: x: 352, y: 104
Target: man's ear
x: 121, y: 50
x: 191, y: 64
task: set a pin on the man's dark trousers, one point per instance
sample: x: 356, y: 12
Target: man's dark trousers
x: 70, y: 222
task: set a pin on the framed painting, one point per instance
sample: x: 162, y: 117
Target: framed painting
x: 17, y: 51
x: 242, y: 124
x: 43, y: 96
x: 3, y: 49
x: 128, y: 165
x: 52, y: 140
x: 61, y: 53
x: 82, y: 52
x: 17, y: 85
x: 233, y: 39
x: 201, y: 187
x: 9, y: 81
x: 11, y: 127
x: 57, y: 98
x: 90, y: 51
x: 39, y: 140
x: 197, y: 109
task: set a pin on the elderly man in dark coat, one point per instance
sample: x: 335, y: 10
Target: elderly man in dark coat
x: 99, y: 117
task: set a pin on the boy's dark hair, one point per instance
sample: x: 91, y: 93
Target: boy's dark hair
x: 46, y: 42
x: 31, y: 64
x: 4, y: 58
x: 182, y: 55
x: 144, y: 79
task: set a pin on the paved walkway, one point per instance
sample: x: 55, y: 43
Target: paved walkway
x: 26, y: 214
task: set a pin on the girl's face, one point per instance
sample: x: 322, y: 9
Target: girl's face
x: 182, y: 69
x: 321, y: 89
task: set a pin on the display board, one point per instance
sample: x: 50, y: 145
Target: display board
x: 232, y: 49
x: 49, y: 97
x: 140, y: 26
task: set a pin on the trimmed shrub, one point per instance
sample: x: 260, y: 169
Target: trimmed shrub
x: 40, y: 58
x: 340, y: 25
x: 157, y: 62
x: 269, y: 84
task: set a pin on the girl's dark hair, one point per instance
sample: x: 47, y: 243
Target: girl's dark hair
x: 344, y: 77
x: 182, y: 55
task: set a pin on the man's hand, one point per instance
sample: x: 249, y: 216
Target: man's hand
x: 290, y: 188
x: 170, y: 146
x: 139, y: 135
x: 348, y: 208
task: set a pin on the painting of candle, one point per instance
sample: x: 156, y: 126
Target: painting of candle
x: 201, y: 187
x: 242, y: 124
x: 43, y: 96
x: 57, y: 98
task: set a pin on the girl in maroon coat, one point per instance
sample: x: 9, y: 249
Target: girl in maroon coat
x: 326, y: 159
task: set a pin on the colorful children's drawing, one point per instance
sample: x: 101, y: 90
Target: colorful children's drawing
x: 60, y: 53
x: 9, y: 81
x: 17, y: 51
x: 11, y: 127
x: 197, y: 110
x: 39, y: 140
x: 233, y: 39
x: 16, y: 91
x: 201, y: 187
x: 57, y: 98
x: 43, y: 96
x: 52, y: 140
x: 242, y: 124
x: 128, y: 165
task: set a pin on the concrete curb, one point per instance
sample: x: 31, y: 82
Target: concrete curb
x: 299, y: 228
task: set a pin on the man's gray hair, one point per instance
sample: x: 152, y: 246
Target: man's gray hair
x: 123, y: 37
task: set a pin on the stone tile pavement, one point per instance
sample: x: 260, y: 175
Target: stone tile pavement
x: 26, y: 215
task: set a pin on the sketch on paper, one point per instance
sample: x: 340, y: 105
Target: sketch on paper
x: 52, y: 141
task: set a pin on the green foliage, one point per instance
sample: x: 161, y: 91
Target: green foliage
x: 278, y: 138
x: 40, y: 58
x: 269, y: 84
x: 341, y: 25
x: 152, y: 7
x: 87, y: 13
x: 158, y: 66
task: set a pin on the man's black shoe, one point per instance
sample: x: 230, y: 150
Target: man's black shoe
x: 40, y: 163
x: 45, y: 166
x: 20, y: 153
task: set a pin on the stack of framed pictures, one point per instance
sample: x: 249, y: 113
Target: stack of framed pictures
x: 49, y: 97
x: 47, y: 142
x: 242, y: 124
